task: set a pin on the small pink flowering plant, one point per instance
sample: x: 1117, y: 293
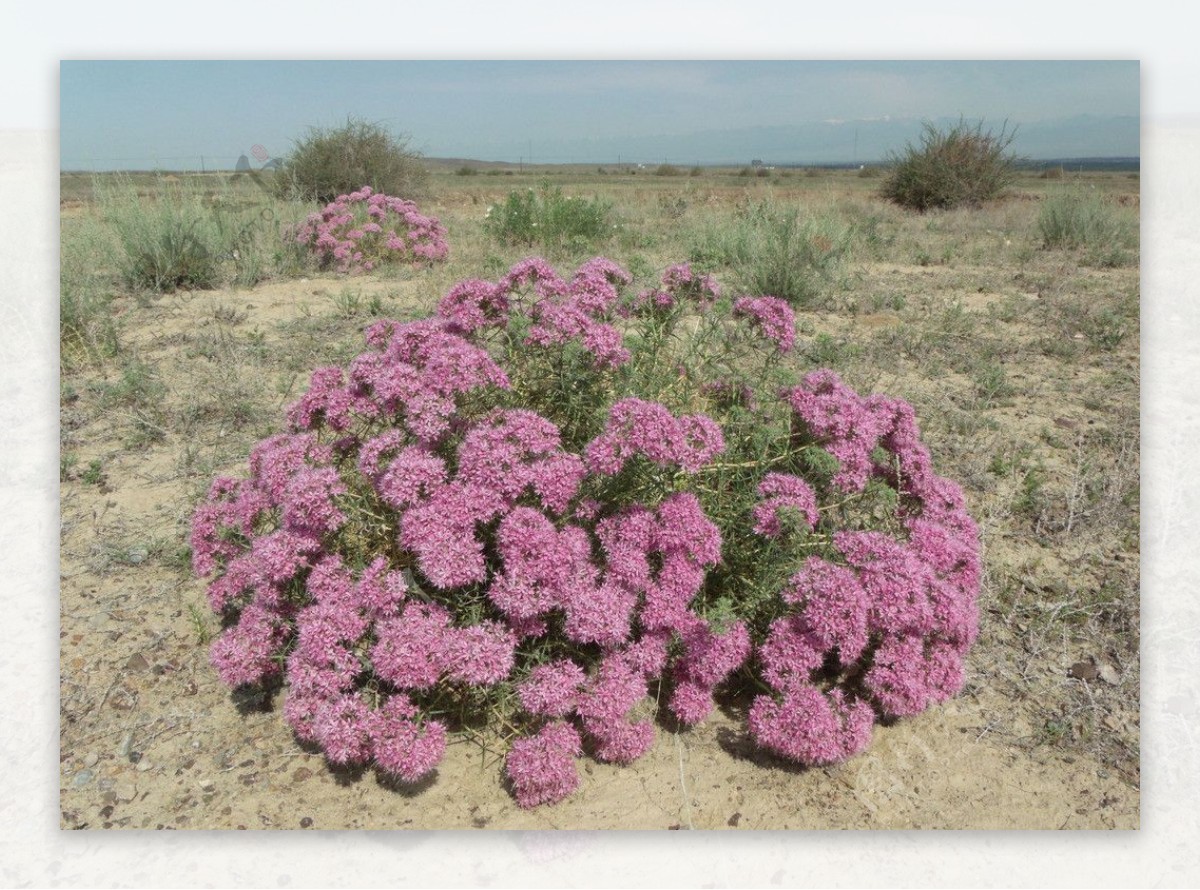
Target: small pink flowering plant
x: 363, y: 229
x: 558, y: 500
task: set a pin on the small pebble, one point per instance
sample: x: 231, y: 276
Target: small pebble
x: 82, y: 778
x: 92, y: 759
x: 306, y: 822
x: 126, y: 745
x: 143, y: 766
x: 126, y: 791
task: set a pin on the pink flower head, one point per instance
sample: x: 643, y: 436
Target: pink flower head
x: 710, y: 657
x: 480, y: 655
x: 895, y: 580
x: 539, y: 563
x: 781, y: 491
x: 772, y: 317
x: 691, y: 702
x: 907, y: 675
x: 648, y: 428
x: 413, y: 649
x: 541, y: 768
x: 619, y: 742
x: 599, y: 614
x: 515, y: 450
x: 790, y: 653
x: 680, y: 285
x: 245, y: 653
x: 835, y: 606
x: 474, y: 304
x: 231, y: 510
x: 551, y: 688
x: 846, y: 425
x: 811, y: 727
x: 402, y: 746
x: 441, y: 531
x: 575, y: 312
x: 342, y: 725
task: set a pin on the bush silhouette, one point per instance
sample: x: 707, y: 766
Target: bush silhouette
x: 336, y: 161
x: 957, y: 166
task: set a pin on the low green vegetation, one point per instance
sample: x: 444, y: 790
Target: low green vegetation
x: 776, y: 249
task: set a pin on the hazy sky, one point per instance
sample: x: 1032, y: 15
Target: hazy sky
x: 141, y: 114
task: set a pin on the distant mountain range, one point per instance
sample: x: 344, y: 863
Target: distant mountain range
x: 830, y: 142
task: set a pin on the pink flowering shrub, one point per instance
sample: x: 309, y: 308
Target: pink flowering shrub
x: 555, y: 503
x: 362, y: 230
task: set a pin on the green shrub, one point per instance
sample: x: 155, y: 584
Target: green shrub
x: 182, y: 235
x: 167, y: 241
x: 336, y: 161
x: 1079, y: 220
x: 86, y: 328
x: 667, y: 170
x: 548, y: 218
x: 957, y: 166
x: 775, y: 250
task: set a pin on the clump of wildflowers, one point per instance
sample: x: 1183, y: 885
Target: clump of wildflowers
x: 364, y: 229
x: 552, y: 505
x: 679, y: 285
x: 772, y: 317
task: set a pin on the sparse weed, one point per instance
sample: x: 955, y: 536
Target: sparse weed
x: 201, y: 625
x: 1106, y: 329
x: 94, y: 474
x: 776, y: 250
x: 182, y: 237
x: 991, y: 383
x: 348, y: 303
x: 169, y: 242
x: 66, y: 464
x: 1084, y: 220
x: 826, y: 351
x: 86, y: 328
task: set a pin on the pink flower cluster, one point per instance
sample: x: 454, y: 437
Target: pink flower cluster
x: 579, y: 311
x: 680, y: 285
x: 773, y: 318
x: 903, y: 610
x: 407, y: 541
x: 781, y: 491
x: 847, y: 425
x: 417, y: 371
x: 637, y: 427
x: 363, y: 229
